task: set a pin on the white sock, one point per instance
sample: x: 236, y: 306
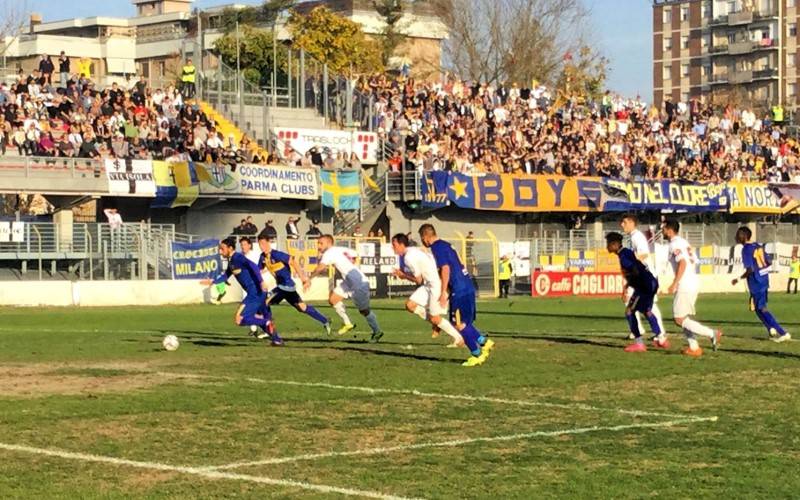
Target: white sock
x: 420, y: 311
x: 691, y: 340
x: 698, y: 329
x: 449, y: 329
x: 638, y: 316
x: 339, y: 308
x: 657, y: 313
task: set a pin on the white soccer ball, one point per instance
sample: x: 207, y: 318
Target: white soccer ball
x: 170, y: 343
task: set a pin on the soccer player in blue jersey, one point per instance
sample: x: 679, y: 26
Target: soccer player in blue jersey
x: 645, y: 288
x: 756, y: 270
x: 457, y: 288
x: 254, y: 310
x: 281, y: 265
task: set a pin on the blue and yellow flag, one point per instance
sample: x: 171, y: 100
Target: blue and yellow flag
x: 176, y: 184
x: 341, y: 190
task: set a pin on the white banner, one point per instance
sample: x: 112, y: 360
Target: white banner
x: 130, y: 177
x: 363, y: 144
x: 274, y: 181
x: 5, y: 232
x: 18, y: 232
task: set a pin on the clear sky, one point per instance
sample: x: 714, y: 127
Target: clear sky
x: 622, y: 28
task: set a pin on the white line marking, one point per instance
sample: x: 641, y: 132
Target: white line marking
x: 433, y: 395
x: 461, y: 442
x: 197, y: 471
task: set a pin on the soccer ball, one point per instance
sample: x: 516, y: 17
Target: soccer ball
x: 170, y: 343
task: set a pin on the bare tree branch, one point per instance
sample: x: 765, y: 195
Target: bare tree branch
x: 511, y: 40
x: 14, y: 14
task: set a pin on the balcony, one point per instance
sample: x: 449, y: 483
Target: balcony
x: 765, y: 74
x: 739, y: 77
x: 739, y: 18
x: 743, y: 47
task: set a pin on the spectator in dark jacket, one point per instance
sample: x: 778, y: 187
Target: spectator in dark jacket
x: 63, y: 69
x: 46, y: 68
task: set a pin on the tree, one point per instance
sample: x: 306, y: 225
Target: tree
x: 336, y: 41
x: 260, y: 15
x: 391, y: 35
x: 13, y: 16
x: 510, y: 40
x: 256, y: 53
x: 584, y: 75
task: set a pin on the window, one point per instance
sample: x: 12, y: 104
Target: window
x: 792, y: 90
x: 707, y: 10
x: 684, y: 13
x: 684, y: 97
x: 667, y: 16
x: 162, y: 68
x: 705, y: 41
x: 792, y: 29
x: 684, y: 70
x: 791, y: 57
x: 790, y: 4
x: 667, y: 43
x: 731, y: 38
x: 706, y: 70
x: 685, y: 42
x: 667, y: 71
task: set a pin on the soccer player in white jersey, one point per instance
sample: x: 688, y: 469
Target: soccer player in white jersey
x: 354, y: 284
x: 641, y: 248
x: 419, y: 267
x: 686, y: 286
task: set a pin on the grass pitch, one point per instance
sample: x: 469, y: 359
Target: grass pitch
x: 92, y: 407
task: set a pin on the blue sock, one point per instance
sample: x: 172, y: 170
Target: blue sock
x: 311, y: 311
x: 656, y: 329
x: 471, y: 336
x: 633, y: 324
x: 769, y: 321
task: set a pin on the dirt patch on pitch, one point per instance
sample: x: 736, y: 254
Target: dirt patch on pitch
x: 40, y: 380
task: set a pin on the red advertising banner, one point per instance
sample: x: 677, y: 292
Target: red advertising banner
x: 560, y: 284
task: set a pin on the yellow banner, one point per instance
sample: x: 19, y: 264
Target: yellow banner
x: 755, y: 197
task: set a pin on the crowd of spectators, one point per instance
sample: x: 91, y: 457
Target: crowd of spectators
x: 71, y: 116
x: 447, y: 125
x: 455, y: 126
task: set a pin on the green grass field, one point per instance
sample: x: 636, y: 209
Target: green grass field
x: 91, y: 407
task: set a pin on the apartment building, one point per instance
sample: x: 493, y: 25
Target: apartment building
x: 726, y: 51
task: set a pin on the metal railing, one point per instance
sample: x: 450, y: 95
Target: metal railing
x: 40, y: 166
x: 403, y: 185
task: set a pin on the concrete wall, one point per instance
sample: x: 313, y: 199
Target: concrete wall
x: 449, y: 220
x: 125, y: 293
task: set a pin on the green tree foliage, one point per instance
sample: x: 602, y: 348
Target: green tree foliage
x: 335, y: 41
x: 584, y: 74
x: 256, y: 53
x: 391, y: 36
x: 254, y: 15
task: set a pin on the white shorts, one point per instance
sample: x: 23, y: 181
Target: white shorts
x: 359, y: 293
x: 683, y: 303
x: 429, y: 299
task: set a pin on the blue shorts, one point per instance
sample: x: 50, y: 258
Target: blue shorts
x: 256, y: 304
x: 462, y: 309
x: 642, y: 302
x: 279, y: 295
x: 758, y: 300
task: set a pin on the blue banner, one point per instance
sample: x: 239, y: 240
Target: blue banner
x: 434, y: 189
x: 196, y: 260
x: 667, y: 195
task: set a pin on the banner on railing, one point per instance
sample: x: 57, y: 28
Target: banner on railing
x: 196, y: 260
x: 217, y: 179
x: 5, y: 232
x: 341, y: 190
x: 276, y: 181
x: 176, y: 184
x: 667, y: 195
x: 130, y: 177
x: 18, y: 232
x: 531, y: 193
x: 302, y: 140
x: 305, y: 253
x: 754, y: 197
x: 434, y: 189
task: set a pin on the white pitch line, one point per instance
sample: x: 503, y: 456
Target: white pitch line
x: 461, y: 442
x: 434, y: 395
x: 198, y: 471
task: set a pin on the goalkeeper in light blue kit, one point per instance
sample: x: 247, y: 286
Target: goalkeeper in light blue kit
x: 254, y: 310
x: 756, y: 270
